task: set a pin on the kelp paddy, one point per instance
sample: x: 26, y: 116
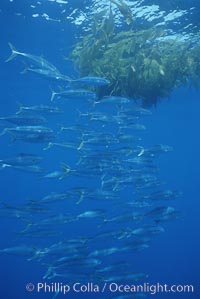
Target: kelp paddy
x: 144, y: 64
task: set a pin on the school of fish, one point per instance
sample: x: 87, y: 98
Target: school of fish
x: 110, y: 202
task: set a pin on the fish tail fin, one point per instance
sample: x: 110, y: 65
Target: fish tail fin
x: 25, y: 70
x: 31, y: 258
x: 3, y: 165
x: 139, y: 218
x: 13, y: 53
x: 84, y: 240
x: 79, y: 200
x: 104, y: 221
x: 68, y: 79
x: 79, y: 161
x: 116, y: 186
x: 20, y: 107
x: 5, y: 204
x: 80, y: 145
x: 119, y: 131
x: 13, y: 139
x: 79, y: 113
x: 49, y: 145
x: 53, y: 94
x: 34, y: 256
x: 93, y: 102
x: 61, y: 128
x: 29, y: 224
x: 102, y: 180
x: 66, y: 171
x: 142, y: 150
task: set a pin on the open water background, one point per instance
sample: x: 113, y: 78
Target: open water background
x: 173, y: 257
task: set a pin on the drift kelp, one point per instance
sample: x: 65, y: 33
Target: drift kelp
x: 141, y: 64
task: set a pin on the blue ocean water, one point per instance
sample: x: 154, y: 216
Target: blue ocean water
x: 173, y: 256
